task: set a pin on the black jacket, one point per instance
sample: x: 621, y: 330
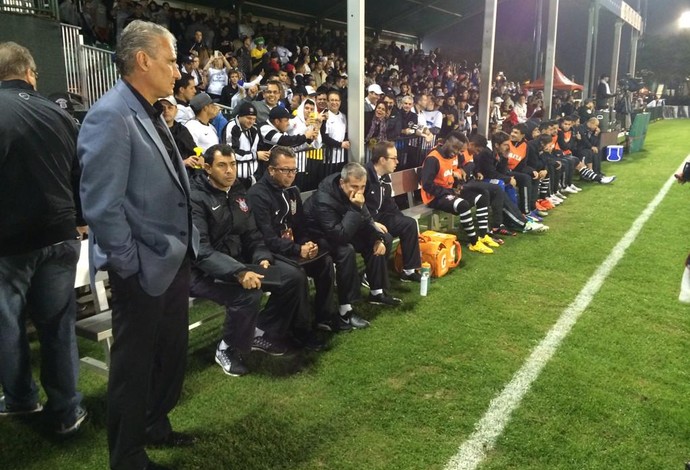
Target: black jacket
x: 331, y: 215
x: 486, y: 162
x: 379, y: 194
x: 275, y: 210
x: 39, y: 171
x: 229, y: 237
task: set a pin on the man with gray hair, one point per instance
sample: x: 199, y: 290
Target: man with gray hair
x: 136, y: 197
x: 39, y: 245
x: 337, y: 213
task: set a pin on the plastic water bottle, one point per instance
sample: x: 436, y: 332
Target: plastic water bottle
x: 426, y: 275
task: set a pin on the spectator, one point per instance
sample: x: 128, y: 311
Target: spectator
x: 184, y: 92
x: 183, y: 139
x: 203, y: 133
x: 39, y: 246
x: 243, y: 135
x: 272, y: 95
x: 306, y: 119
x: 144, y: 244
x: 275, y: 132
x: 216, y: 72
x: 374, y: 92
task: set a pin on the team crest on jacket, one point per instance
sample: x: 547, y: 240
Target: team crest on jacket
x: 242, y: 202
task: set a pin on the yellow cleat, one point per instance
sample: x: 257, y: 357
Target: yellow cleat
x: 488, y: 241
x: 480, y: 247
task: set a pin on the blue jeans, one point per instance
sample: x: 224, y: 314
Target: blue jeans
x: 40, y: 283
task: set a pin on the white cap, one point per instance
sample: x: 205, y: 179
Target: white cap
x: 310, y: 90
x: 170, y: 99
x: 498, y: 99
x: 375, y: 88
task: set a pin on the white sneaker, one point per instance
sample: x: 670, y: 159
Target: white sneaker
x: 569, y: 190
x: 555, y: 200
x: 561, y: 195
x: 535, y: 227
x: 575, y: 188
x: 608, y: 179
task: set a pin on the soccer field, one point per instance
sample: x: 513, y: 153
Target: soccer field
x: 408, y: 392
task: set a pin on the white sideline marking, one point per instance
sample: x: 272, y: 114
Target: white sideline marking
x: 487, y: 430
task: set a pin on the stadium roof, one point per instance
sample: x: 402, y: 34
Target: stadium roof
x: 415, y: 18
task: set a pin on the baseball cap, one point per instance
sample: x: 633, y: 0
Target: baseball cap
x: 498, y: 99
x: 246, y: 109
x: 170, y: 99
x: 199, y: 101
x: 375, y: 88
x: 278, y: 113
x: 310, y: 90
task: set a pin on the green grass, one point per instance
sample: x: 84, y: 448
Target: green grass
x: 405, y: 393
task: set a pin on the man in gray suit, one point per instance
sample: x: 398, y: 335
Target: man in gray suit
x: 136, y: 197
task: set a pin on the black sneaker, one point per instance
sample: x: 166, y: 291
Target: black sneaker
x: 7, y: 410
x: 353, y: 320
x: 335, y: 324
x: 308, y: 340
x: 67, y: 430
x: 414, y: 277
x: 264, y: 345
x: 231, y: 362
x: 384, y: 299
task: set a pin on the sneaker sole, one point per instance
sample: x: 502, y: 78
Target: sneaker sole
x: 10, y: 414
x: 74, y: 428
x: 231, y: 374
x: 274, y: 354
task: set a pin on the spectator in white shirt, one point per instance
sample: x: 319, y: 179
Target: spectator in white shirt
x: 202, y: 131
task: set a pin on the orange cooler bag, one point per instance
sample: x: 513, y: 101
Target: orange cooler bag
x: 450, y: 241
x: 442, y: 255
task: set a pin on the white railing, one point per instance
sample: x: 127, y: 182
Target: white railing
x: 90, y: 71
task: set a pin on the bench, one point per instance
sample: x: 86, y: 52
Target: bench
x: 99, y: 327
x: 407, y: 182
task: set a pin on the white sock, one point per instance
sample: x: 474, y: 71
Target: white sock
x: 408, y: 271
x: 223, y: 345
x: 343, y: 309
x: 376, y: 291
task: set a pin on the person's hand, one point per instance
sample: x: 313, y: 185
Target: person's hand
x: 345, y: 144
x: 263, y: 155
x: 512, y: 182
x: 542, y: 174
x: 595, y: 150
x: 535, y: 175
x: 194, y: 162
x: 309, y: 250
x: 249, y: 279
x: 479, y: 176
x: 357, y: 199
x: 381, y: 228
x: 310, y: 134
x: 379, y: 248
x: 83, y: 230
x: 264, y: 263
x: 460, y: 174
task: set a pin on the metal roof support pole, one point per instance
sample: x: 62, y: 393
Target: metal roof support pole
x: 536, y: 70
x: 550, y: 57
x: 594, y: 78
x: 355, y: 72
x: 633, y: 51
x: 593, y: 6
x: 487, y: 70
x: 617, y: 33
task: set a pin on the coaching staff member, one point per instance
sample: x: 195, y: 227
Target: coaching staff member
x: 135, y: 193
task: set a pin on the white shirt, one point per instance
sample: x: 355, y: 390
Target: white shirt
x: 217, y: 79
x: 336, y: 126
x: 204, y: 135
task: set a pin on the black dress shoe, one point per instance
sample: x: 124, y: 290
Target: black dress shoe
x: 174, y: 439
x: 156, y: 466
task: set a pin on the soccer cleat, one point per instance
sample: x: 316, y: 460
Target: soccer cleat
x: 384, y: 299
x: 535, y: 227
x: 488, y: 241
x: 264, y: 345
x: 503, y: 231
x: 413, y: 277
x: 569, y: 190
x: 608, y: 179
x: 534, y: 215
x: 66, y: 430
x: 479, y: 247
x: 7, y: 410
x: 575, y: 188
x: 561, y: 195
x: 231, y: 362
x: 354, y: 321
x: 555, y: 200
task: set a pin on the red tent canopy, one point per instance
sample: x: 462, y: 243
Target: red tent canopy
x: 560, y: 82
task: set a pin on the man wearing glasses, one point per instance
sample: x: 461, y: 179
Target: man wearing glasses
x: 385, y: 212
x: 277, y: 207
x: 272, y: 95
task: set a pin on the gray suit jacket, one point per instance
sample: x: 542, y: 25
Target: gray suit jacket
x: 135, y: 203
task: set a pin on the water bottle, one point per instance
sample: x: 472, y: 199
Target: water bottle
x: 426, y: 275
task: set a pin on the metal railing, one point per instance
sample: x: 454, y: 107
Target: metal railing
x: 90, y: 71
x: 47, y: 8
x: 313, y: 165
